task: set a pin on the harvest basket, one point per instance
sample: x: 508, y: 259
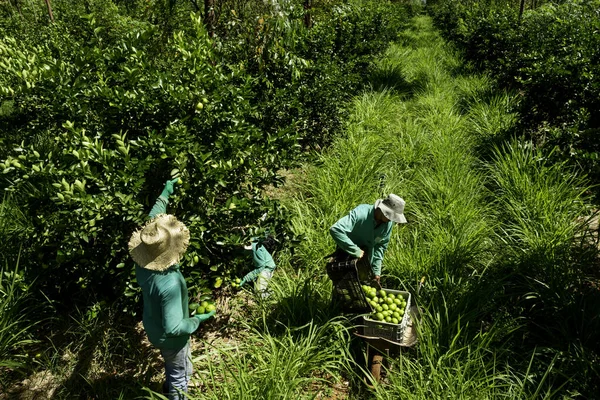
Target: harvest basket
x: 388, y: 330
x: 347, y: 289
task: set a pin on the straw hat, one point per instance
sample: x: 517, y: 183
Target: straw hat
x: 160, y: 243
x: 392, y: 208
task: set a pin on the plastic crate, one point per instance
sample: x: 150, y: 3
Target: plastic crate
x: 347, y: 288
x: 388, y: 330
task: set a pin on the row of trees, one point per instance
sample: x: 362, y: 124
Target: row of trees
x: 549, y: 57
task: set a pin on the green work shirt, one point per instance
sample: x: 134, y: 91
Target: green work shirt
x: 166, y: 315
x: 262, y: 258
x: 359, y: 229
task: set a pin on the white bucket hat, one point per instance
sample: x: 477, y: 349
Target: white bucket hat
x: 160, y: 243
x: 392, y: 208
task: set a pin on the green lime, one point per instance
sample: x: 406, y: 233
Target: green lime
x: 382, y: 293
x: 237, y: 280
x: 204, y: 304
x: 179, y: 181
x: 210, y: 307
x: 395, y: 320
x: 200, y: 310
x: 379, y: 316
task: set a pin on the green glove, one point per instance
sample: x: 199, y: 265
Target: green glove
x: 169, y: 188
x: 204, y: 317
x: 251, y: 276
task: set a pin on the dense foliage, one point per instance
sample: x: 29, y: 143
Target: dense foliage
x: 101, y: 107
x: 549, y: 56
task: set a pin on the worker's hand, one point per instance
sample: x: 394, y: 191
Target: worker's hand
x: 362, y: 254
x: 378, y: 280
x: 204, y: 317
x: 242, y: 283
x: 169, y: 187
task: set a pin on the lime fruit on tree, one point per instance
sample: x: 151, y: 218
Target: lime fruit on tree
x: 210, y: 307
x: 200, y: 310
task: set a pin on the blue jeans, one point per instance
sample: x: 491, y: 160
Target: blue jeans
x: 178, y: 370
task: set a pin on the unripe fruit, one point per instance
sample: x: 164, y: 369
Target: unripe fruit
x: 179, y: 181
x: 199, y: 106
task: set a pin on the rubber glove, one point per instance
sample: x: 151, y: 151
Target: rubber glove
x: 204, y: 317
x: 169, y: 188
x: 251, y: 276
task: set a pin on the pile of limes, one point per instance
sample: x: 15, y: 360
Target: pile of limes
x: 386, y: 306
x: 202, y: 308
x: 236, y: 283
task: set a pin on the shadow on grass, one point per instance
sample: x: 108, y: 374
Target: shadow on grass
x: 111, y: 359
x: 390, y: 78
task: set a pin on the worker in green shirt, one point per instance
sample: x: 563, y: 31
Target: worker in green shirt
x: 264, y: 265
x: 366, y: 231
x: 157, y: 248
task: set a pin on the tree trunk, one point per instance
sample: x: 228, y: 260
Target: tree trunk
x: 307, y: 18
x: 209, y: 16
x: 50, y: 10
x: 521, y: 8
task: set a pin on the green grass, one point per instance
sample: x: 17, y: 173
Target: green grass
x: 428, y: 133
x: 16, y: 322
x: 496, y: 229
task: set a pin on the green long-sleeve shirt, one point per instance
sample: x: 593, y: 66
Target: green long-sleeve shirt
x: 165, y: 295
x: 262, y: 260
x: 359, y: 229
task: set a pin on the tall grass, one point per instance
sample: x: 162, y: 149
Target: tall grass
x: 16, y: 321
x: 290, y: 365
x: 425, y: 134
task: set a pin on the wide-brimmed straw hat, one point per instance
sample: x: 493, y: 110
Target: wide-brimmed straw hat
x: 392, y: 208
x: 160, y: 243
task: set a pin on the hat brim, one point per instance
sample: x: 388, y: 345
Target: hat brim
x: 389, y: 213
x: 142, y: 255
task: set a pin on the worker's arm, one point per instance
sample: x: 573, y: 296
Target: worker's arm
x: 340, y: 230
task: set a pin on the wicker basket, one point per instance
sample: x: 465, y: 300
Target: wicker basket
x: 388, y: 330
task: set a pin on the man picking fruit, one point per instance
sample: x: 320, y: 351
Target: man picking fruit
x: 156, y: 249
x: 366, y: 231
x: 263, y: 264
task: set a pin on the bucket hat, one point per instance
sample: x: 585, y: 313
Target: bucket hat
x: 393, y: 208
x: 160, y: 243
